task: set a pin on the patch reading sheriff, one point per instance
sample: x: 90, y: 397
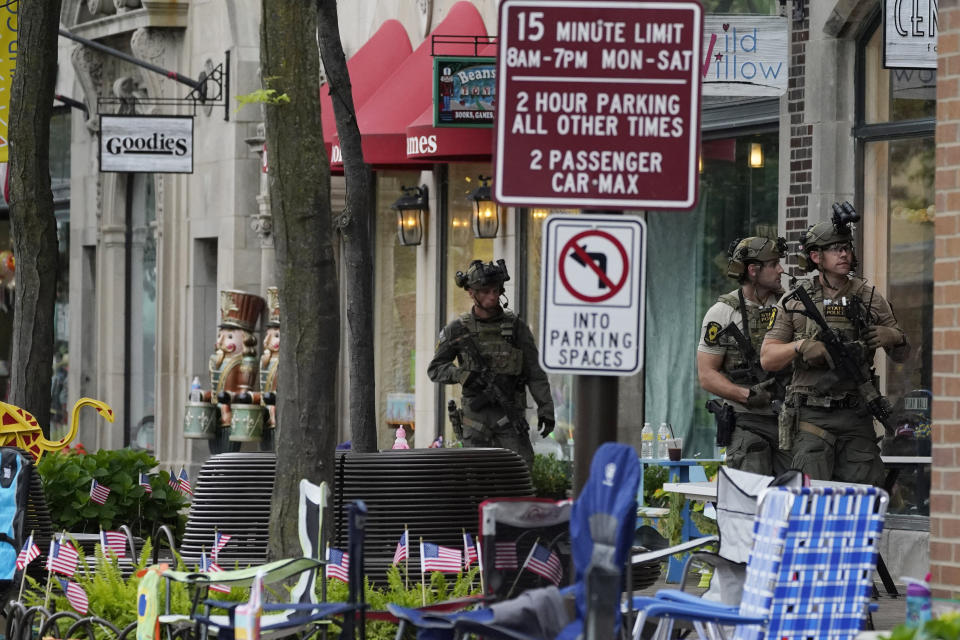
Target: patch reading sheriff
x: 711, y: 333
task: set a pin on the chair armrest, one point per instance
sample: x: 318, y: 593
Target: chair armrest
x: 683, y: 547
x: 657, y: 608
x: 675, y: 595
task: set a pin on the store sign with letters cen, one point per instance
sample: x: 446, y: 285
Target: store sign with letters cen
x: 744, y: 55
x: 464, y: 91
x: 146, y: 144
x: 910, y: 34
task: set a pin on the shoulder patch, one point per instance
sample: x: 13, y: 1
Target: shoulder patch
x: 773, y: 318
x: 712, y: 333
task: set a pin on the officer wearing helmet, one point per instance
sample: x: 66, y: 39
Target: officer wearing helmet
x: 488, y: 346
x: 835, y: 436
x: 732, y: 370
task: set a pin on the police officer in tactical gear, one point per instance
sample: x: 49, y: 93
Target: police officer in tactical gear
x: 496, y: 359
x: 833, y: 435
x: 731, y: 369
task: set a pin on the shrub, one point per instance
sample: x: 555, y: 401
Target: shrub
x: 66, y: 480
x: 551, y: 477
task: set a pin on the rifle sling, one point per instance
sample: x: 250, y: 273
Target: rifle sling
x: 824, y: 435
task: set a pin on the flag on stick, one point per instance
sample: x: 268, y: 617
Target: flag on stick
x: 184, y: 482
x: 173, y: 481
x: 63, y: 558
x: 545, y: 563
x: 145, y: 483
x: 220, y: 540
x: 76, y: 596
x: 28, y: 554
x: 114, y: 541
x: 208, y: 566
x: 469, y: 550
x: 338, y: 564
x: 434, y: 557
x: 402, y: 551
x: 99, y: 492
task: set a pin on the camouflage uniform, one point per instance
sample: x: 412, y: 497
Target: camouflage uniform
x: 509, y: 349
x: 836, y: 439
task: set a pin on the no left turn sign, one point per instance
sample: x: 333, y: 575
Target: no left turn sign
x: 591, y: 317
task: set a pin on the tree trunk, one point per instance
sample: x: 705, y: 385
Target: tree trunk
x: 355, y: 225
x: 34, y: 227
x: 310, y: 315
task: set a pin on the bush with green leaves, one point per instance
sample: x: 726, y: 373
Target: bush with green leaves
x: 943, y: 627
x: 551, y: 477
x: 66, y: 477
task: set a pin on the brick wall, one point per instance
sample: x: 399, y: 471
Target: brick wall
x: 945, y: 485
x: 801, y: 133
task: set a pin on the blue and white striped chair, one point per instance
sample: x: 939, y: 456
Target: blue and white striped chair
x: 810, y: 572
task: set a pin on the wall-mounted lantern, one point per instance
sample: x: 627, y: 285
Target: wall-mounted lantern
x: 756, y: 155
x: 539, y: 214
x: 410, y: 207
x: 486, y: 213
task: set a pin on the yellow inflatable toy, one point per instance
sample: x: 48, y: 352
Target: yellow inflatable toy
x: 20, y: 429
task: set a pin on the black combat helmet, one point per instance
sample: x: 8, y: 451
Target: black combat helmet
x: 480, y: 274
x: 753, y: 249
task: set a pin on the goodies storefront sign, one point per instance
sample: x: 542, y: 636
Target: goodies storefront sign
x: 146, y: 144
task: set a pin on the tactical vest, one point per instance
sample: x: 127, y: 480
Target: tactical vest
x: 834, y: 312
x: 496, y: 342
x: 758, y: 321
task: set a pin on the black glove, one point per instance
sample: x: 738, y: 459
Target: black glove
x: 814, y: 353
x: 759, y: 397
x: 545, y: 426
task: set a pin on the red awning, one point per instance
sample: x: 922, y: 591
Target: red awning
x: 426, y: 142
x: 369, y: 67
x: 403, y: 97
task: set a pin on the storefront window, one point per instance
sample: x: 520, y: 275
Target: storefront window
x: 462, y: 248
x: 898, y: 250
x: 896, y: 94
x: 395, y: 304
x: 60, y: 185
x: 686, y: 272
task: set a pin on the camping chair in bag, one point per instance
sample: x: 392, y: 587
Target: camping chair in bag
x: 601, y: 532
x: 809, y: 573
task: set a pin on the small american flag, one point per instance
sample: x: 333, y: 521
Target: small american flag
x: 145, y: 483
x: 220, y: 540
x: 437, y: 444
x: 76, y: 596
x: 506, y: 555
x: 469, y: 550
x: 62, y: 558
x: 544, y: 562
x: 184, y: 482
x: 338, y: 564
x: 28, y: 554
x: 173, y: 481
x: 115, y: 542
x: 99, y: 492
x: 402, y: 551
x: 434, y: 557
x: 208, y: 566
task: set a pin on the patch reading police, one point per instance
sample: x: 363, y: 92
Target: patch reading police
x: 834, y: 311
x: 712, y: 333
x: 766, y: 316
x: 772, y: 319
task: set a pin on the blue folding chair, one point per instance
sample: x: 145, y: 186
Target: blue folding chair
x: 809, y: 575
x: 601, y: 533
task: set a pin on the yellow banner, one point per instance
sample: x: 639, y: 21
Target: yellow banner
x: 8, y: 64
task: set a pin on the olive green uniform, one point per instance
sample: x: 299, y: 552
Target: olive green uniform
x: 509, y: 349
x: 835, y: 437
x: 753, y: 445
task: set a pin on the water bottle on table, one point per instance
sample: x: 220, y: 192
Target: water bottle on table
x: 646, y: 441
x: 664, y: 434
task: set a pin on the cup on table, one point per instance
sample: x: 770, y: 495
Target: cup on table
x: 674, y: 448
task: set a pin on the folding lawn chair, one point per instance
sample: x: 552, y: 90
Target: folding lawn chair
x: 809, y: 573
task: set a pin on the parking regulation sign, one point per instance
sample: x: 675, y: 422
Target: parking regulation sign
x: 592, y: 293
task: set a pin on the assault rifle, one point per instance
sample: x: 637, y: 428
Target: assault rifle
x: 456, y: 418
x: 845, y: 359
x: 489, y: 391
x: 752, y: 373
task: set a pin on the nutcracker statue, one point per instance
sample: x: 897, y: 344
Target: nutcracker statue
x: 269, y: 365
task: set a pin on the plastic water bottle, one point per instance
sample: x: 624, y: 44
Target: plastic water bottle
x: 195, y: 394
x: 918, y: 601
x: 664, y: 433
x: 646, y: 441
